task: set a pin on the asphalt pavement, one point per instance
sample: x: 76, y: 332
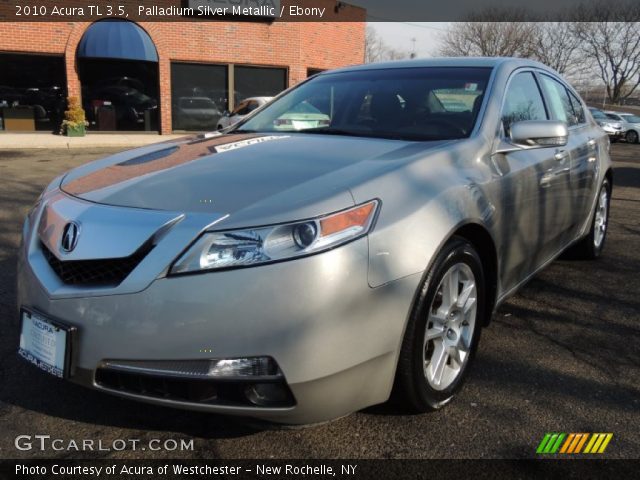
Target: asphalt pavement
x: 563, y: 355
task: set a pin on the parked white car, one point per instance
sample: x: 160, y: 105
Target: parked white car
x: 243, y: 109
x: 612, y: 128
x: 630, y: 124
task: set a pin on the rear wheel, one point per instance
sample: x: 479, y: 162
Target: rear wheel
x: 632, y: 136
x: 444, y: 329
x: 590, y: 247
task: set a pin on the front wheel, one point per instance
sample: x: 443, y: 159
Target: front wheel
x: 444, y: 329
x: 632, y: 136
x: 591, y: 246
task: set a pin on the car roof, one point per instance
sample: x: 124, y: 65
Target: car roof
x: 266, y: 99
x: 489, y: 62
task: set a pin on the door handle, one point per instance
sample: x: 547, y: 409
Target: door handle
x: 591, y: 143
x: 561, y: 155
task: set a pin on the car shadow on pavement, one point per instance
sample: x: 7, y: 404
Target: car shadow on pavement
x: 626, y: 177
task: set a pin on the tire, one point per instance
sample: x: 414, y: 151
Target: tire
x: 220, y: 127
x: 632, y: 136
x: 423, y: 381
x: 591, y: 246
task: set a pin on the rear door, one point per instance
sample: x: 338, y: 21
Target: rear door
x: 581, y: 151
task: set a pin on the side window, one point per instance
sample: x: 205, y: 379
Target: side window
x: 578, y: 109
x: 559, y: 102
x: 241, y: 109
x: 522, y: 101
x: 252, y: 106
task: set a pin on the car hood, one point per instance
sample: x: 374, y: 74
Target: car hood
x: 250, y: 176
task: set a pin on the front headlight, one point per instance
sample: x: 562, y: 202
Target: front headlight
x: 241, y: 248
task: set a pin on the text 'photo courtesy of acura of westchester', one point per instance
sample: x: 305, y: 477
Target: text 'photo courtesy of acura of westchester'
x: 297, y: 268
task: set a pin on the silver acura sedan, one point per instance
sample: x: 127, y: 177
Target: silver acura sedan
x: 299, y: 276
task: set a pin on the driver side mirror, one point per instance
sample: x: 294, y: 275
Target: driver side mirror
x: 529, y: 134
x: 226, y: 113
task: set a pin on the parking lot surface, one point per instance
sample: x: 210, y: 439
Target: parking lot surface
x: 563, y: 355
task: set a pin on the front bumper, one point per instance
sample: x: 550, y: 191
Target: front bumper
x: 613, y: 132
x: 335, y: 339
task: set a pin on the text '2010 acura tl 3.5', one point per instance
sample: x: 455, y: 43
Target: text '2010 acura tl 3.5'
x: 298, y: 275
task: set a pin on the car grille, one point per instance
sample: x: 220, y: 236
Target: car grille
x: 104, y: 272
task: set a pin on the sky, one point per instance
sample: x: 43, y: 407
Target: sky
x: 400, y: 35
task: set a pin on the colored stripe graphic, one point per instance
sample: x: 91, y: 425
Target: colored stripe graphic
x: 543, y: 443
x: 581, y: 443
x: 573, y: 443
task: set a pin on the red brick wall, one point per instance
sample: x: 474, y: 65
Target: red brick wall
x: 295, y: 45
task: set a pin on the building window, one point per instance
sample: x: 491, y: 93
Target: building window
x: 32, y: 92
x: 258, y: 82
x: 119, y: 95
x: 199, y: 95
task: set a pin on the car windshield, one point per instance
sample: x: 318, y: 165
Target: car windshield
x: 632, y: 118
x: 432, y: 103
x: 599, y: 115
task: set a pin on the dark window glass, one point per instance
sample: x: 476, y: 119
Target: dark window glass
x: 33, y: 91
x: 559, y: 101
x: 252, y: 106
x: 598, y: 114
x: 409, y: 104
x: 199, y: 95
x: 241, y: 109
x: 578, y: 109
x: 522, y: 101
x: 258, y: 82
x: 119, y: 94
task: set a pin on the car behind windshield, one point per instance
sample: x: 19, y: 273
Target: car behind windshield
x: 406, y: 104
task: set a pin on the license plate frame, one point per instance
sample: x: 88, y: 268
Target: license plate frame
x: 58, y: 330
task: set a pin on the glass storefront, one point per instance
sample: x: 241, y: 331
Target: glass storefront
x: 32, y: 92
x: 199, y: 95
x: 258, y: 82
x: 119, y: 95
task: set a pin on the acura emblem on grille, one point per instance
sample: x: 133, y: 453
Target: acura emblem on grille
x: 70, y: 236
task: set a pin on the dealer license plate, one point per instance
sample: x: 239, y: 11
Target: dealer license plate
x: 44, y: 343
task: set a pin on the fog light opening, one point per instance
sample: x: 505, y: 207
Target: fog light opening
x: 267, y: 394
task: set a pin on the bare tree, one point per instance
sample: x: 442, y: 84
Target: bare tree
x: 614, y: 47
x: 375, y: 50
x: 555, y: 44
x: 485, y: 35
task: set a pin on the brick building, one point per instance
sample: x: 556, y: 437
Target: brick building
x: 164, y: 76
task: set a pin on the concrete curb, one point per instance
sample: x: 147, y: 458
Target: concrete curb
x: 21, y: 141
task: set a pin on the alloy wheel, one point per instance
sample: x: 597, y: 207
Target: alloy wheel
x: 600, y: 223
x: 450, y: 327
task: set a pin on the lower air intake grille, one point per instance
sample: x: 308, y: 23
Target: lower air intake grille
x: 104, y: 272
